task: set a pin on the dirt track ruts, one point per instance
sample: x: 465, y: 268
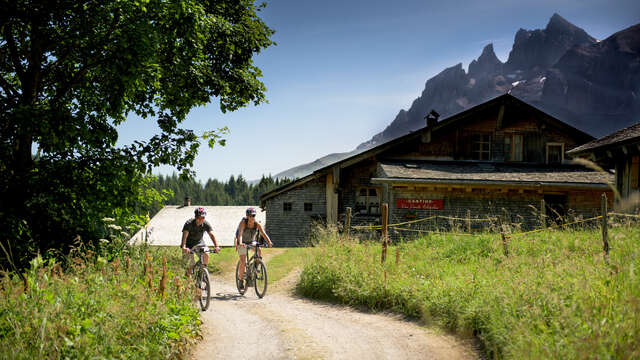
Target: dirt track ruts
x: 284, y: 326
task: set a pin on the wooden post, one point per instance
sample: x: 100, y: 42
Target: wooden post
x: 543, y: 214
x: 505, y: 217
x: 605, y: 240
x: 435, y: 221
x: 347, y: 222
x: 385, y: 231
x: 504, y: 239
x: 469, y: 221
x: 397, y: 255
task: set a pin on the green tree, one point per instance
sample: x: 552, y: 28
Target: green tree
x: 71, y: 71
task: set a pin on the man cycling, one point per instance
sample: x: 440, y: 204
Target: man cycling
x: 246, y: 233
x: 193, y: 234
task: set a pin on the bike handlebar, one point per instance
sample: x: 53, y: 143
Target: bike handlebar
x: 255, y: 244
x: 199, y: 248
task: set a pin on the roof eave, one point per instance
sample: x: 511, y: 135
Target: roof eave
x: 493, y: 183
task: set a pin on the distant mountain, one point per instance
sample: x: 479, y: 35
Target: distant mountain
x: 305, y: 169
x: 594, y: 86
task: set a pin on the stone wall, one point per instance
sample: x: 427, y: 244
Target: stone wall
x: 290, y: 228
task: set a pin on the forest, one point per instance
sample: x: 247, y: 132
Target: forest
x: 235, y: 191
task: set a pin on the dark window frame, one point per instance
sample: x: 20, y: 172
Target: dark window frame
x: 287, y: 206
x: 308, y: 206
x: 483, y: 140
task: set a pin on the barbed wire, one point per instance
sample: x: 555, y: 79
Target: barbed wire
x: 372, y: 227
x: 552, y: 227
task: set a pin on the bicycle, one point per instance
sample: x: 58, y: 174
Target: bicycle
x: 255, y: 272
x: 203, y: 284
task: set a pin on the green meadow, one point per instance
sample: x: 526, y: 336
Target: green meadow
x: 553, y: 297
x: 99, y: 309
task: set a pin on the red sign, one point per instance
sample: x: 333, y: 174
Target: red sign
x: 419, y: 204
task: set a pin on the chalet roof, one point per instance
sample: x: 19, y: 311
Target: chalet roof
x: 620, y: 137
x: 445, y: 123
x: 488, y: 172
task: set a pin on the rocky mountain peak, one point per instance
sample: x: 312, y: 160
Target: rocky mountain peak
x: 488, y: 63
x: 543, y: 48
x: 558, y: 23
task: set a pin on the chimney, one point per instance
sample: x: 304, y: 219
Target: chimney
x: 432, y: 118
x: 187, y: 201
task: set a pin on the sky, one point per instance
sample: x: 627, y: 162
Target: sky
x: 342, y: 70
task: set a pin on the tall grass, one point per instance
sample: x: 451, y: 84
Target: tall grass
x: 553, y: 297
x: 99, y: 309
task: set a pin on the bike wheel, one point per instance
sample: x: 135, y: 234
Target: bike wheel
x: 204, y: 289
x: 241, y: 289
x: 260, y: 278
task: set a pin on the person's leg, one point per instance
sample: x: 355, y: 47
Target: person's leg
x: 243, y: 261
x: 188, y: 262
x: 205, y: 259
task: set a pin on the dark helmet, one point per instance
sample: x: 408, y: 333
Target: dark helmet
x: 251, y: 211
x: 200, y: 211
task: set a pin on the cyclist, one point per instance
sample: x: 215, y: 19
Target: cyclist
x: 246, y: 233
x: 193, y: 234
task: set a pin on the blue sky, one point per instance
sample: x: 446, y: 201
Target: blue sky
x: 341, y: 71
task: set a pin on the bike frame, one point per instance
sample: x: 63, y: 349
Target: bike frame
x: 198, y: 269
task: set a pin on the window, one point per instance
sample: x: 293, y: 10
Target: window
x: 308, y: 206
x: 367, y: 201
x: 481, y: 149
x: 513, y: 147
x: 286, y: 206
x: 555, y: 153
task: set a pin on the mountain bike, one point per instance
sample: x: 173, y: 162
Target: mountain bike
x: 255, y: 272
x: 203, y: 284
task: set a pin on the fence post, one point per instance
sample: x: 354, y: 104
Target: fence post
x: 605, y: 240
x: 347, y: 222
x: 385, y: 231
x: 505, y: 246
x: 469, y: 221
x: 543, y: 214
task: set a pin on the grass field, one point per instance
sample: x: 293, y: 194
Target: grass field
x: 99, y: 309
x: 554, y: 297
x: 280, y: 261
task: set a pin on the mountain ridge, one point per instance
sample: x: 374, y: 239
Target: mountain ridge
x: 589, y: 84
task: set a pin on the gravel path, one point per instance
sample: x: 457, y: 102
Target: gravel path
x: 283, y: 326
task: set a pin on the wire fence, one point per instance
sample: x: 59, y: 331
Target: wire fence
x: 495, y: 224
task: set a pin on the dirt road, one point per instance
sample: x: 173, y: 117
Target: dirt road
x: 283, y: 326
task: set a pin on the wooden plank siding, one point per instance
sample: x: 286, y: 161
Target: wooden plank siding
x: 291, y: 228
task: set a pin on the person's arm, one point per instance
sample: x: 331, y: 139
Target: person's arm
x: 185, y: 234
x: 239, y: 234
x: 213, y: 238
x: 264, y: 235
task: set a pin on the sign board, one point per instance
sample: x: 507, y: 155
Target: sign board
x: 421, y: 204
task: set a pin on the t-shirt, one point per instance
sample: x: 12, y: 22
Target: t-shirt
x: 196, y: 232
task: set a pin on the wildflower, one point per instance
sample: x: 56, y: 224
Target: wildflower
x: 104, y: 241
x: 125, y: 234
x: 108, y: 219
x: 114, y: 227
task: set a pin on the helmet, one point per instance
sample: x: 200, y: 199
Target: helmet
x: 251, y: 211
x: 200, y: 211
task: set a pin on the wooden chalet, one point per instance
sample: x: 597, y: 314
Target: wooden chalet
x: 503, y: 153
x: 620, y: 151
